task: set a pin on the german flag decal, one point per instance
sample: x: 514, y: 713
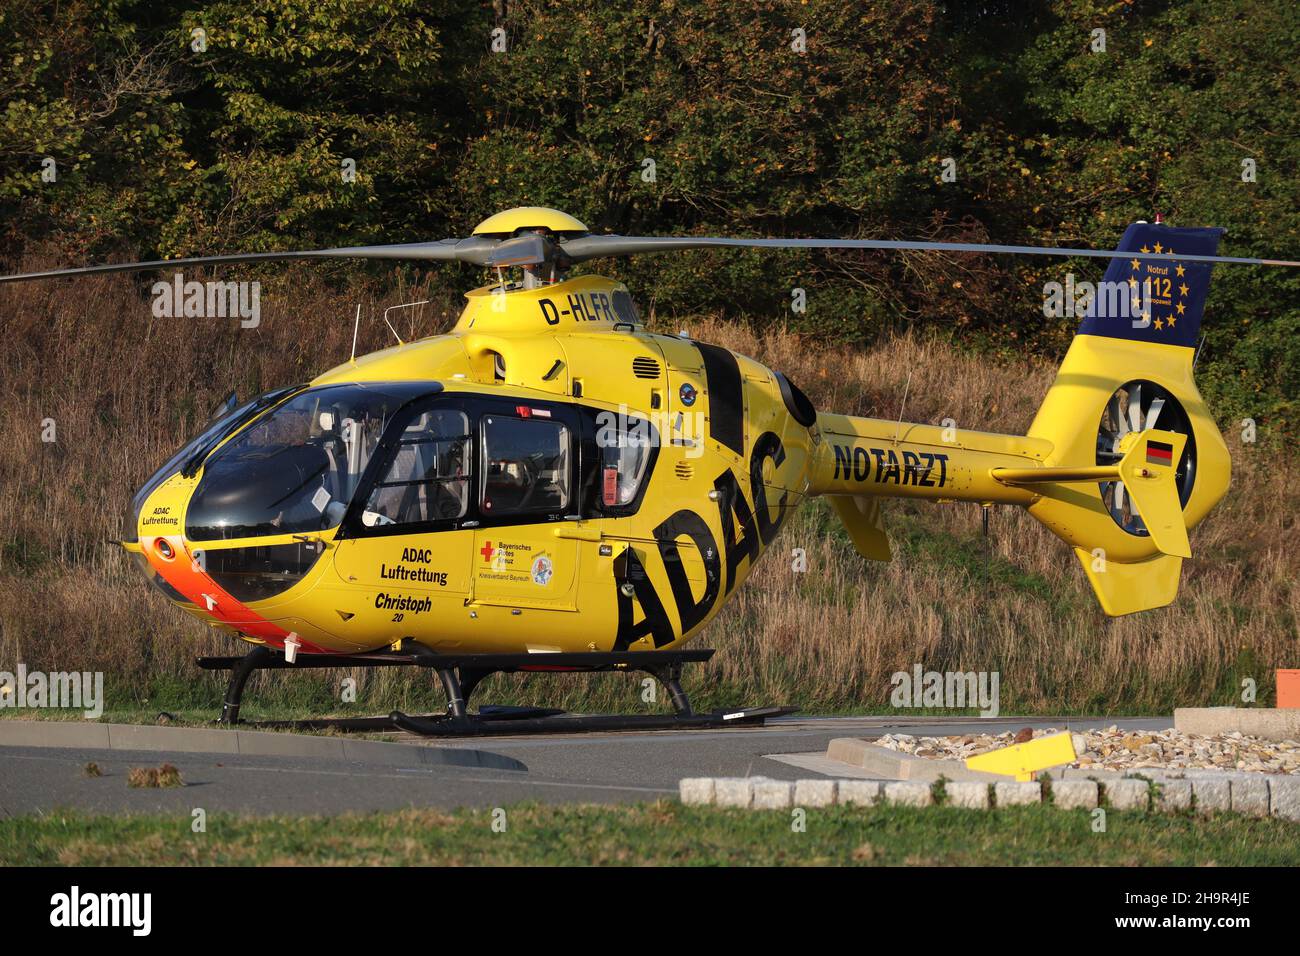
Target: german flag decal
x: 1158, y: 453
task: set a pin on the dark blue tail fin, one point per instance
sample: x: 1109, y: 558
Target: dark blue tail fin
x: 1151, y: 300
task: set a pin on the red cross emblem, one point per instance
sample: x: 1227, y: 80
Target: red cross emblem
x: 487, y: 550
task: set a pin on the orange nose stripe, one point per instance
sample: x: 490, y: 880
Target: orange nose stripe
x: 182, y: 572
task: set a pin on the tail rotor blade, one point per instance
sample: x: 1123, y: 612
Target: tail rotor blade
x: 1153, y: 413
x: 1135, y: 408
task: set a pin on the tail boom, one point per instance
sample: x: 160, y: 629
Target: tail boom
x: 874, y: 457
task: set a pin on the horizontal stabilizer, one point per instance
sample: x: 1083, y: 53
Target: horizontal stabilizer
x: 1149, y: 471
x: 861, y: 516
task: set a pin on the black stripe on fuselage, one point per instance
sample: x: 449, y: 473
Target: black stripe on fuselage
x: 726, y: 399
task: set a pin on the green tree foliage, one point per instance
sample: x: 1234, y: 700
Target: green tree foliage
x: 93, y: 94
x: 327, y: 122
x: 774, y: 117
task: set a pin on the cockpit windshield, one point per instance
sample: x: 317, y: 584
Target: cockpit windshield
x: 224, y: 422
x: 295, y: 469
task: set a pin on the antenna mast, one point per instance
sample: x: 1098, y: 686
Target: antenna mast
x: 355, y: 328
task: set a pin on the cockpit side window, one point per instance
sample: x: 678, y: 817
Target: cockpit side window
x: 626, y: 445
x: 525, y: 466
x: 427, y: 478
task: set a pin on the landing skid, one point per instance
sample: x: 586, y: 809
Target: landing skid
x: 553, y: 722
x: 460, y: 674
x: 580, y: 723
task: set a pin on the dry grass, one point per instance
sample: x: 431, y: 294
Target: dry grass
x: 125, y: 389
x: 161, y: 777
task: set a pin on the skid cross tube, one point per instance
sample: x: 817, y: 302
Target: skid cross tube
x: 460, y: 674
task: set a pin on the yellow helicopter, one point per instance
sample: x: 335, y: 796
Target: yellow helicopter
x: 552, y: 487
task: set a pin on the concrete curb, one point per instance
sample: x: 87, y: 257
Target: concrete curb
x: 892, y: 765
x: 1267, y: 723
x: 1278, y: 797
x: 207, y: 740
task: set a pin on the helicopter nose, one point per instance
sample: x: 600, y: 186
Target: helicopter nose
x: 184, y: 569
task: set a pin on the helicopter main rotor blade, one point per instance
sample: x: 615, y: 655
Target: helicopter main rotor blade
x: 595, y: 247
x: 533, y: 249
x: 475, y: 250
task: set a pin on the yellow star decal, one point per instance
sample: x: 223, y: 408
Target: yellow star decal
x: 1136, y: 301
x: 1158, y: 325
x: 1136, y: 264
x: 1172, y: 320
x: 1180, y: 270
x: 1181, y: 310
x: 1157, y: 248
x: 1145, y: 249
x: 1182, y: 288
x: 1132, y: 282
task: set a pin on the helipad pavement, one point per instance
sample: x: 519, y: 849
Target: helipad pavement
x: 589, y: 768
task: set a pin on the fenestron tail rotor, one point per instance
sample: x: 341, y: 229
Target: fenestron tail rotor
x: 1135, y: 407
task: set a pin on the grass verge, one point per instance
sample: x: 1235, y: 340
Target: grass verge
x: 663, y: 833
